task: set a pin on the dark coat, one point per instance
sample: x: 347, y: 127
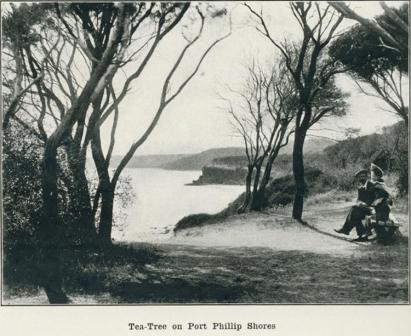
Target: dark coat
x: 382, y: 201
x: 366, y: 193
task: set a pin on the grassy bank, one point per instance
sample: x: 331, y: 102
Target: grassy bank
x: 279, y: 193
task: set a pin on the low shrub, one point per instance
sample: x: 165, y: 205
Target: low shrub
x: 192, y: 221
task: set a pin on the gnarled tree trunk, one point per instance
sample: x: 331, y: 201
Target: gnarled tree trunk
x: 79, y: 192
x: 50, y: 232
x: 105, y: 190
x: 247, y: 196
x: 106, y: 214
x: 256, y: 199
x: 298, y: 172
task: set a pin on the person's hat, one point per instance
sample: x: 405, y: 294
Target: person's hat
x: 376, y: 170
x: 361, y: 172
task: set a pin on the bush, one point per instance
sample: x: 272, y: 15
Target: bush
x: 402, y: 182
x: 21, y: 202
x: 389, y: 150
x: 281, y: 190
x: 345, y: 178
x: 192, y: 221
x: 401, y: 166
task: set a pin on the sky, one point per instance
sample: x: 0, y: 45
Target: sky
x: 195, y: 121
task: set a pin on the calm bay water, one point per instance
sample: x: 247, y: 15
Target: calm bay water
x: 162, y: 199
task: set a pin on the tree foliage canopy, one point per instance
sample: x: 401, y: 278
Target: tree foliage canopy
x: 363, y: 51
x: 369, y: 58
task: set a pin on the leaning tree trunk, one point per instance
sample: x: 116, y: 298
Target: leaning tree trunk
x: 50, y: 232
x: 80, y: 194
x: 105, y: 189
x: 256, y: 200
x: 247, y: 196
x: 261, y: 199
x: 264, y: 180
x: 106, y: 213
x: 298, y: 172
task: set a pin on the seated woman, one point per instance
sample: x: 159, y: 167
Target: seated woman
x: 382, y: 200
x: 384, y: 224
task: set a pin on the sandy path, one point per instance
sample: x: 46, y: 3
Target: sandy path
x: 278, y: 231
x: 271, y: 231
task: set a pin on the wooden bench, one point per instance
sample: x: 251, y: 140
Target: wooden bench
x: 385, y: 231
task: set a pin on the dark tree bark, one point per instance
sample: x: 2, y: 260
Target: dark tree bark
x: 80, y: 196
x: 260, y: 199
x: 106, y: 215
x: 50, y: 232
x: 256, y: 198
x: 298, y: 172
x: 105, y: 190
x: 247, y: 195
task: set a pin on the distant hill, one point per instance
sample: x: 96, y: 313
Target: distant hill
x: 147, y: 161
x: 206, y: 158
x: 311, y: 145
x: 231, y: 161
x: 233, y: 156
x: 198, y: 161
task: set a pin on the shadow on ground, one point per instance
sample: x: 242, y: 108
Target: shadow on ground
x: 144, y: 273
x: 176, y: 291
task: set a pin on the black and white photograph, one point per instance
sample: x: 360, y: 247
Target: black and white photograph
x: 198, y: 153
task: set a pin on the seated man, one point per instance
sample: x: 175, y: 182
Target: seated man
x: 382, y: 204
x: 362, y: 208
